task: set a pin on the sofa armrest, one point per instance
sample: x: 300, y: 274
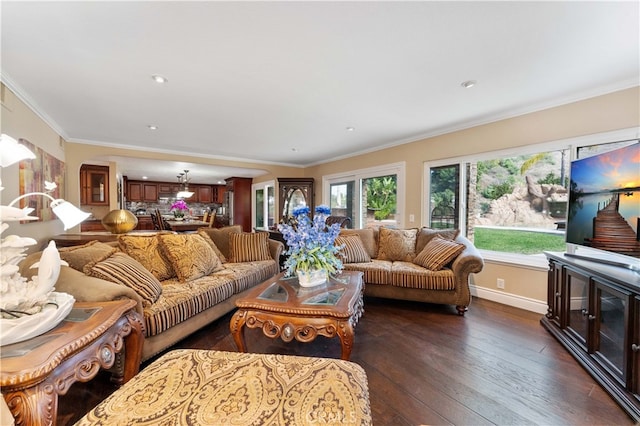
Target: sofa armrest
x: 276, y: 248
x: 469, y: 261
x: 89, y: 289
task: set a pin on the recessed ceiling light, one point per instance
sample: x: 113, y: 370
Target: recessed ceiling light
x: 145, y: 177
x: 152, y: 127
x: 468, y: 84
x: 159, y: 79
x: 350, y: 129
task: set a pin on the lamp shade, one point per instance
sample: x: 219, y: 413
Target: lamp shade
x: 11, y: 151
x: 69, y: 214
x: 119, y: 221
x: 184, y: 194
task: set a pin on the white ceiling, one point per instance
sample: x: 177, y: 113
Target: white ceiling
x: 280, y: 82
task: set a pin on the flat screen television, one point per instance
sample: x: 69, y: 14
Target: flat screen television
x: 604, y: 207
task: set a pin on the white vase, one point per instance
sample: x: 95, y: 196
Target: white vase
x: 312, y: 278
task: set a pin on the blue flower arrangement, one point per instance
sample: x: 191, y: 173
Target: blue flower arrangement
x: 311, y: 242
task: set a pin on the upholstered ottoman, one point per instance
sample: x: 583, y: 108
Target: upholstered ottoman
x: 198, y: 387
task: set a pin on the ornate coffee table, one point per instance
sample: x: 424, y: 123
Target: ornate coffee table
x: 284, y: 309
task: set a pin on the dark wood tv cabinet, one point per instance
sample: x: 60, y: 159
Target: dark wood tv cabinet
x: 594, y: 312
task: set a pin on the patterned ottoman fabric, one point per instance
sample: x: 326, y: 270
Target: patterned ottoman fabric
x: 198, y: 387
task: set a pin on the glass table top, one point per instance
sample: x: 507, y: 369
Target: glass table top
x: 328, y: 294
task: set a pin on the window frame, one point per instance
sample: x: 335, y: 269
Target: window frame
x: 255, y: 187
x: 537, y: 261
x: 398, y: 169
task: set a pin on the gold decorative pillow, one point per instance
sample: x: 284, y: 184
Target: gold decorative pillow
x: 353, y: 250
x: 438, y: 253
x: 397, y: 244
x: 123, y: 269
x: 86, y: 255
x: 190, y: 255
x: 220, y: 237
x: 249, y: 247
x: 368, y: 237
x: 205, y: 235
x: 426, y: 234
x: 146, y: 250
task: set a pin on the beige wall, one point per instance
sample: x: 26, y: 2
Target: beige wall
x: 614, y: 111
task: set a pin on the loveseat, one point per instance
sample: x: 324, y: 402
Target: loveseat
x: 181, y: 281
x: 424, y: 265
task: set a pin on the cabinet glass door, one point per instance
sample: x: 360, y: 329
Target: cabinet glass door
x: 578, y: 312
x: 555, y: 293
x: 612, y: 312
x: 635, y: 347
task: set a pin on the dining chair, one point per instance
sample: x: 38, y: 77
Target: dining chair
x: 212, y: 219
x: 205, y: 216
x: 162, y: 223
x: 155, y: 221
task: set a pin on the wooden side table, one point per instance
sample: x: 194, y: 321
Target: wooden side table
x: 34, y: 372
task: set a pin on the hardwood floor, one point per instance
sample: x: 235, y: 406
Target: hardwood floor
x: 426, y: 365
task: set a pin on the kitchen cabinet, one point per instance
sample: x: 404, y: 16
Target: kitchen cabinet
x: 594, y: 312
x: 92, y: 226
x: 202, y: 193
x: 168, y: 190
x: 94, y: 185
x: 144, y: 223
x: 219, y: 191
x: 142, y: 191
x: 238, y: 202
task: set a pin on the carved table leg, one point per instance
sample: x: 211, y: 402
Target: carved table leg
x: 346, y: 335
x: 133, y: 345
x: 237, y: 329
x: 35, y: 406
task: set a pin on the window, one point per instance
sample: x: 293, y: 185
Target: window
x: 370, y: 197
x: 511, y: 204
x: 263, y: 205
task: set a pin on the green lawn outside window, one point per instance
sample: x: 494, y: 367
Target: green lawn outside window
x: 515, y: 241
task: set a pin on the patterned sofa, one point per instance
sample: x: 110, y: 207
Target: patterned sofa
x: 423, y: 265
x: 180, y: 281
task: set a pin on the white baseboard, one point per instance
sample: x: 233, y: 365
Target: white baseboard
x: 516, y: 301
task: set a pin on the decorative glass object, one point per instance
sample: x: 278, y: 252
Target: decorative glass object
x: 312, y: 278
x: 119, y: 221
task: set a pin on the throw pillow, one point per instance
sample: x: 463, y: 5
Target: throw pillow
x: 123, y: 269
x: 220, y: 237
x: 368, y: 237
x: 86, y: 255
x: 205, y: 235
x: 426, y: 234
x: 146, y: 250
x: 190, y: 255
x: 438, y: 253
x: 397, y: 244
x: 353, y: 250
x: 249, y: 246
